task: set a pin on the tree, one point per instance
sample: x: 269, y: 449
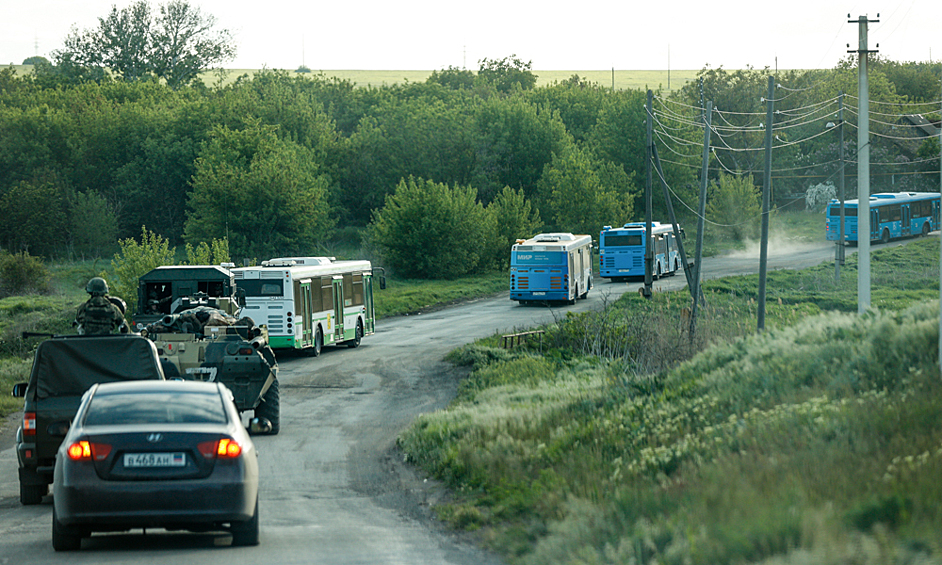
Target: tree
x: 93, y: 223
x: 453, y: 78
x: 430, y: 230
x: 580, y: 195
x: 35, y: 60
x: 514, y: 218
x: 184, y: 43
x: 33, y: 214
x: 136, y: 259
x: 734, y: 207
x: 264, y: 194
x: 205, y: 253
x: 515, y: 140
x: 120, y: 43
x: 506, y: 74
x: 175, y: 46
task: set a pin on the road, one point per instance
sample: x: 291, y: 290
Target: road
x: 334, y: 490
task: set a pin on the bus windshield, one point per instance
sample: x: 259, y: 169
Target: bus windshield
x: 623, y: 240
x: 260, y: 287
x: 538, y: 258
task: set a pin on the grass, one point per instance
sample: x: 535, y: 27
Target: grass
x: 628, y: 441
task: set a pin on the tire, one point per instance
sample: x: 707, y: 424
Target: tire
x: 245, y: 533
x: 885, y: 238
x: 32, y: 494
x: 64, y: 538
x: 925, y: 229
x: 318, y: 346
x: 270, y: 408
x: 357, y: 336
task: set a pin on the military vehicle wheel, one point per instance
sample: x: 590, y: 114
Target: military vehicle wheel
x: 32, y: 494
x: 270, y: 407
x: 357, y: 336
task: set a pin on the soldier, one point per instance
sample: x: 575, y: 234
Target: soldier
x: 99, y: 314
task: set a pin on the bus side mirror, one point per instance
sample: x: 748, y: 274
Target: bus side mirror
x: 19, y: 390
x: 240, y: 297
x: 382, y: 283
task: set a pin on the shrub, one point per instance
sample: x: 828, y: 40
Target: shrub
x: 22, y: 273
x: 430, y: 230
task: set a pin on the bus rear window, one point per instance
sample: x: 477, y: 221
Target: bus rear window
x: 538, y: 258
x: 261, y: 287
x: 626, y: 240
x: 836, y: 211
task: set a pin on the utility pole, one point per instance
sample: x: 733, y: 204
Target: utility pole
x: 701, y: 208
x: 839, y: 250
x: 863, y: 165
x: 648, y: 188
x: 766, y: 192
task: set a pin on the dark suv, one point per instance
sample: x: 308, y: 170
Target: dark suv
x: 63, y: 369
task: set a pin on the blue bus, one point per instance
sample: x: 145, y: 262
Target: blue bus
x: 621, y: 251
x: 550, y: 267
x: 892, y: 215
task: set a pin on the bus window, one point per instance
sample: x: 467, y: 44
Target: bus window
x: 357, y: 290
x: 261, y: 287
x: 327, y: 293
x: 613, y: 240
x: 347, y: 289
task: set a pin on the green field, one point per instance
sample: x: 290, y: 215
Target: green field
x: 622, y: 79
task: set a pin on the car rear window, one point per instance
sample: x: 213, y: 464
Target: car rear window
x: 155, y: 408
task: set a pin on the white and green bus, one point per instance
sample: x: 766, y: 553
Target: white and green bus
x: 309, y: 302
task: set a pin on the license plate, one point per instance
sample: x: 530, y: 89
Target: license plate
x: 624, y: 270
x: 539, y: 294
x: 154, y: 460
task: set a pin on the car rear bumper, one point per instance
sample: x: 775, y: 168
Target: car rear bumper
x: 133, y: 505
x: 82, y: 498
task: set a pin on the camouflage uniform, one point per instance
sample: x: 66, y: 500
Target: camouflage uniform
x: 99, y: 315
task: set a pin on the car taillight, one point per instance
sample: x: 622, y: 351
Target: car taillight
x: 222, y: 449
x: 85, y: 450
x: 29, y: 424
x: 246, y: 350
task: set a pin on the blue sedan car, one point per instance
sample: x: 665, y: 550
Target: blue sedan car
x: 155, y: 454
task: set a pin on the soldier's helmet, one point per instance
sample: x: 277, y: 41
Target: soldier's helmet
x: 97, y: 287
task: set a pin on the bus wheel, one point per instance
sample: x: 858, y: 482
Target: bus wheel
x: 925, y: 229
x: 315, y: 349
x: 885, y: 238
x: 357, y: 336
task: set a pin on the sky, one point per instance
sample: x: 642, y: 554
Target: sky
x: 551, y: 35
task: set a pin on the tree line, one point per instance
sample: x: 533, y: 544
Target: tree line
x: 458, y: 166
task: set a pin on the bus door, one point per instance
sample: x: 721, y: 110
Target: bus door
x: 874, y: 224
x: 906, y: 227
x: 935, y: 214
x: 337, y: 283
x: 303, y: 309
x: 368, y: 303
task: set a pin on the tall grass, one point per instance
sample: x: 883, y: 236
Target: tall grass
x: 815, y: 441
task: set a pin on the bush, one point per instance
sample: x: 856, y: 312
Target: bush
x: 22, y: 273
x: 430, y: 230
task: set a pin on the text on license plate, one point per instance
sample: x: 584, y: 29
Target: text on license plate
x: 154, y: 460
x: 539, y: 294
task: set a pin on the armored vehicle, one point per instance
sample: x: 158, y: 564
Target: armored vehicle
x: 64, y: 367
x: 201, y: 337
x: 168, y: 290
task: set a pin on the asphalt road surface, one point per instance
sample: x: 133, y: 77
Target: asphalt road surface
x: 333, y: 487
